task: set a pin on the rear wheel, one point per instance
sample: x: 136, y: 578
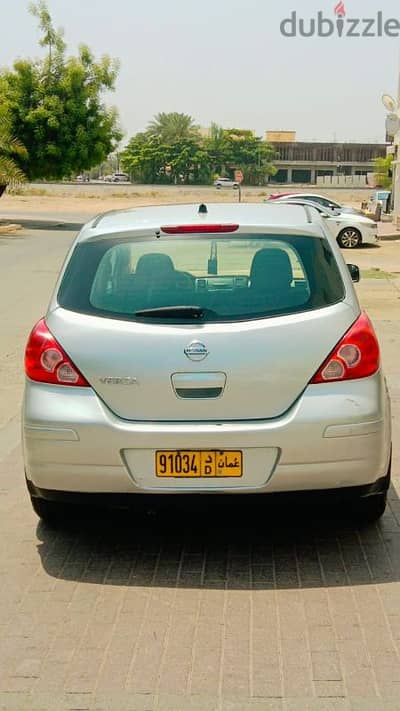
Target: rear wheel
x: 49, y: 511
x: 350, y: 238
x: 371, y: 508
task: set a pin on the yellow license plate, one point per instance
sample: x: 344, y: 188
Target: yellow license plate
x: 196, y: 464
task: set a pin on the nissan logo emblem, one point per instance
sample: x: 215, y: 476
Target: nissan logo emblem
x: 196, y: 351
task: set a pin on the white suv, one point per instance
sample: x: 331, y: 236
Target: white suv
x: 226, y: 183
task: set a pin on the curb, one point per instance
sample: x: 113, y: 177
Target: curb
x: 38, y: 224
x: 389, y: 238
x: 9, y: 228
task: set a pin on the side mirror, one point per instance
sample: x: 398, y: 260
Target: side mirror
x: 354, y: 273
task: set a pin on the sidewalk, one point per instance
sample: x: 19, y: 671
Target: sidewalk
x: 388, y: 231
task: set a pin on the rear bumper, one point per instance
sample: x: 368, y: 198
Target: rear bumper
x: 336, y: 436
x: 370, y: 237
x: 127, y: 501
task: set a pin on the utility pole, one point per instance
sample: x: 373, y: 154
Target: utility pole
x: 396, y: 166
x: 392, y: 106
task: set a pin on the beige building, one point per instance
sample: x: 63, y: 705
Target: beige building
x: 305, y: 162
x: 280, y: 136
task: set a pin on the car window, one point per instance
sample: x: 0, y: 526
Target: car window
x: 317, y: 199
x: 230, y: 279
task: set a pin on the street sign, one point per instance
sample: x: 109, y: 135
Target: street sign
x: 239, y: 176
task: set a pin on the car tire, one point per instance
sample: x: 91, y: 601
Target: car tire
x: 371, y: 508
x: 349, y: 238
x: 218, y: 187
x: 50, y: 512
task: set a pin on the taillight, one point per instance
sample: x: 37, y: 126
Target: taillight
x: 47, y: 362
x: 355, y: 356
x: 198, y: 229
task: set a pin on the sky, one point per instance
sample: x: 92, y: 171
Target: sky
x: 226, y: 61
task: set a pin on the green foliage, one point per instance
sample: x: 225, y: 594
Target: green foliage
x: 172, y: 150
x: 55, y: 106
x: 149, y: 160
x: 251, y: 155
x: 10, y: 147
x: 172, y: 127
x: 383, y: 172
x: 218, y: 147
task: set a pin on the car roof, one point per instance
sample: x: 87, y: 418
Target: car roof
x: 279, y: 217
x: 311, y: 195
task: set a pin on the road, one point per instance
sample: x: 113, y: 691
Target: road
x: 79, y: 202
x: 279, y: 608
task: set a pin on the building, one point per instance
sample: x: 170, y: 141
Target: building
x: 303, y: 162
x: 280, y: 136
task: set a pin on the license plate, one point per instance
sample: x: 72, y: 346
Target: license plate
x: 195, y: 464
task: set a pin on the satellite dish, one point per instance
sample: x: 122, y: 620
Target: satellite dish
x: 389, y: 103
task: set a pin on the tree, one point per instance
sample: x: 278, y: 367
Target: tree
x: 10, y: 173
x: 172, y: 150
x: 143, y: 158
x: 149, y: 160
x: 172, y: 127
x: 56, y: 108
x: 188, y: 162
x: 383, y: 172
x: 169, y: 151
x: 218, y: 148
x: 251, y: 155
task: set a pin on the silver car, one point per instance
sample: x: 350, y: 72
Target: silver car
x: 318, y: 199
x: 215, y: 349
x: 226, y: 183
x: 350, y: 230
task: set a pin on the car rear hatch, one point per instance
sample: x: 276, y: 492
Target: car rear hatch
x: 215, y: 328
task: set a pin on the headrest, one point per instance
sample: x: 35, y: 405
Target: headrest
x: 154, y: 264
x: 271, y: 268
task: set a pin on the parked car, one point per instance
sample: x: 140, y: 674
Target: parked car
x: 216, y: 349
x: 350, y: 231
x: 226, y: 183
x: 117, y: 178
x: 319, y: 199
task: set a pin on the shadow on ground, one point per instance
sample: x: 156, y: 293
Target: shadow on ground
x: 282, y: 542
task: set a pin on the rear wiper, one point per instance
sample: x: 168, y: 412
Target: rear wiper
x: 194, y: 312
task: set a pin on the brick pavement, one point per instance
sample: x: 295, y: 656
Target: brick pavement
x: 277, y: 612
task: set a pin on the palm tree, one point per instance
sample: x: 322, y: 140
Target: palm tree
x: 10, y: 173
x: 172, y: 127
x: 218, y: 147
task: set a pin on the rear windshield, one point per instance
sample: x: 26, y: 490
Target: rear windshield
x: 204, y: 277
